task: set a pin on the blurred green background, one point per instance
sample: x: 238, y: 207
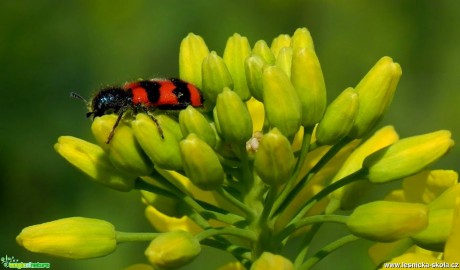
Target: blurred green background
x: 49, y: 48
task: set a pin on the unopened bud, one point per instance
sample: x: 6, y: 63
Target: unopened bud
x: 376, y: 91
x: 216, y: 76
x: 163, y: 151
x: 274, y: 159
x: 73, y: 238
x: 270, y: 261
x: 254, y: 67
x: 434, y: 236
x: 201, y: 164
x: 338, y: 118
x: 172, y: 250
x: 281, y: 102
x: 262, y: 50
x: 235, y: 54
x: 407, y: 156
x: 385, y: 221
x: 192, y: 121
x: 192, y: 51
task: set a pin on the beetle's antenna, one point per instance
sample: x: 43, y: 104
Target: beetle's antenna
x: 77, y: 96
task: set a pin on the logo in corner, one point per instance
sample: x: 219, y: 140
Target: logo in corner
x: 13, y: 263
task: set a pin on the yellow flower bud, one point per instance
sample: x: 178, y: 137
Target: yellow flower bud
x: 262, y: 50
x: 284, y: 60
x: 338, y: 118
x: 447, y: 199
x: 192, y: 51
x: 254, y: 67
x: 163, y: 152
x: 166, y: 205
x: 192, y: 121
x: 385, y: 221
x: 73, y: 238
x: 172, y: 250
x: 124, y: 152
x: 435, y: 235
x: 280, y: 42
x: 375, y: 92
x: 282, y: 105
x: 270, y: 261
x: 232, y: 117
x: 407, y: 156
x: 216, y: 76
x: 426, y: 186
x: 274, y: 160
x: 307, y: 79
x: 301, y: 39
x: 201, y: 163
x: 235, y: 54
x: 170, y: 123
x: 93, y: 161
x: 452, y: 247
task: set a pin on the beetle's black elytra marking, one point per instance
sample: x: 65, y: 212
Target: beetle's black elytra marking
x: 152, y: 88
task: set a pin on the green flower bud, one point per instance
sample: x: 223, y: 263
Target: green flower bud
x: 262, y: 50
x: 172, y: 250
x: 301, y: 39
x: 282, y: 105
x: 124, y: 152
x: 385, y: 221
x: 307, y: 79
x: 284, y: 60
x: 279, y: 42
x: 407, y: 156
x: 192, y: 121
x: 93, y: 161
x: 201, y: 164
x: 171, y: 124
x: 235, y: 54
x: 434, y: 236
x: 375, y: 92
x: 216, y: 76
x: 73, y: 238
x: 338, y: 118
x: 274, y: 160
x: 163, y: 152
x: 192, y: 51
x: 254, y: 67
x: 232, y: 118
x: 270, y: 261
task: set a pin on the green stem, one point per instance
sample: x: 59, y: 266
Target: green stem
x: 245, y: 234
x: 300, y: 161
x: 305, y: 244
x: 242, y: 254
x: 122, y: 237
x: 292, y: 227
x: 250, y: 214
x: 326, y: 250
x: 356, y: 176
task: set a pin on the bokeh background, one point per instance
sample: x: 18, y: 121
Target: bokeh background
x: 49, y: 48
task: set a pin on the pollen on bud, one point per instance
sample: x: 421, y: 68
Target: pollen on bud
x: 201, y: 163
x: 274, y: 159
x: 270, y: 261
x: 407, y: 156
x: 235, y: 54
x: 73, y: 238
x: 216, y: 77
x: 232, y: 117
x: 163, y: 151
x: 338, y: 118
x: 93, y: 161
x: 192, y: 121
x: 376, y: 91
x: 385, y: 221
x: 192, y: 51
x: 172, y: 250
x: 282, y: 105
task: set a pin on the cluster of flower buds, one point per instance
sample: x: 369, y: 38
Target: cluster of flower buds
x: 265, y: 159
